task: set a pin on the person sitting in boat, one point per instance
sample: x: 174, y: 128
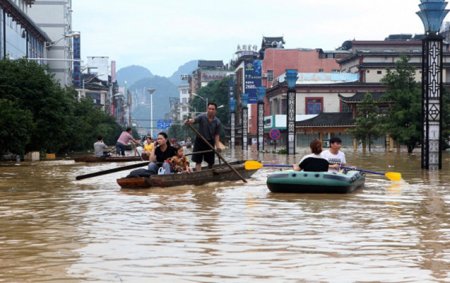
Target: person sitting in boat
x: 160, y: 153
x: 313, y: 162
x: 100, y: 148
x: 149, y: 145
x: 334, y: 155
x: 123, y: 140
x: 179, y: 163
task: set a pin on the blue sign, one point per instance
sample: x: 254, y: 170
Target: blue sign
x: 252, y: 80
x: 76, y: 75
x: 163, y: 124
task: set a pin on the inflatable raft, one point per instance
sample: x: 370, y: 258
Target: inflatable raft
x: 315, y: 182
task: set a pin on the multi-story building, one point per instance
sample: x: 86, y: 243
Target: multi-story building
x: 183, y: 102
x: 207, y: 71
x: 55, y: 18
x: 20, y: 36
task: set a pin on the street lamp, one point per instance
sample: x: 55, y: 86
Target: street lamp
x: 432, y: 13
x: 150, y: 92
x: 67, y: 35
x: 291, y: 78
x: 204, y: 99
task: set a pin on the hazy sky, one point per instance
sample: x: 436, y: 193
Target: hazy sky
x: 162, y: 35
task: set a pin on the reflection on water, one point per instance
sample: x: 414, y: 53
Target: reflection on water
x: 58, y: 229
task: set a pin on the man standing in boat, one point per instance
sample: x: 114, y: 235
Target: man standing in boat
x: 209, y: 127
x: 334, y: 155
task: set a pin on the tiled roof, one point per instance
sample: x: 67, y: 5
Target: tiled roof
x: 210, y: 64
x: 359, y: 97
x: 333, y: 119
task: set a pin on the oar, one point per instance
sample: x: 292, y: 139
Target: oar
x: 218, y: 154
x: 253, y: 165
x: 132, y: 166
x: 104, y: 172
x: 393, y: 176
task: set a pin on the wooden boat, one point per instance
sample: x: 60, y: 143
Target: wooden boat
x: 92, y: 158
x: 218, y: 173
x: 315, y: 182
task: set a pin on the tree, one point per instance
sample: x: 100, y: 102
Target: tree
x: 15, y: 125
x: 404, y: 116
x: 217, y: 92
x: 52, y: 117
x: 368, y: 122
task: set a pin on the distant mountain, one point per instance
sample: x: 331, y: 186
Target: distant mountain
x: 164, y: 89
x: 132, y: 74
x: 185, y: 69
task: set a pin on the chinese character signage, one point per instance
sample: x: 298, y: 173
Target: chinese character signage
x: 252, y: 80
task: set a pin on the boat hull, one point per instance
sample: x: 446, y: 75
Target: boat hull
x: 107, y: 159
x: 315, y: 182
x: 218, y: 173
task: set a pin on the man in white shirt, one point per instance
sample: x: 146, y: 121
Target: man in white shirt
x: 335, y: 157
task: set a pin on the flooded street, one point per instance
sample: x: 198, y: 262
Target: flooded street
x: 54, y: 228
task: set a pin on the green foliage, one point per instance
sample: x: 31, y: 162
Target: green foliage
x: 368, y: 122
x: 43, y: 116
x: 15, y: 126
x: 404, y: 118
x: 217, y: 92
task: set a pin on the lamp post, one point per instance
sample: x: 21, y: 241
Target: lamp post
x: 244, y: 102
x: 233, y: 122
x: 261, y: 91
x: 432, y: 13
x: 291, y: 78
x: 204, y: 99
x: 150, y: 92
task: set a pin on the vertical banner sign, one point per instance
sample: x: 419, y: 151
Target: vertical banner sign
x: 252, y: 80
x: 233, y: 130
x: 244, y: 128
x: 291, y: 121
x: 260, y: 126
x: 76, y: 75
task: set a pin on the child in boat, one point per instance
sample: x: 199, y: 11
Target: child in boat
x: 179, y: 162
x: 313, y: 162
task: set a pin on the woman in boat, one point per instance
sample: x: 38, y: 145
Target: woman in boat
x: 313, y: 162
x: 123, y: 140
x: 179, y: 162
x: 161, y: 152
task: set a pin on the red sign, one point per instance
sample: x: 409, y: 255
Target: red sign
x: 275, y: 134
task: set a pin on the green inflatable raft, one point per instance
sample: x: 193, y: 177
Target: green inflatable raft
x: 315, y: 182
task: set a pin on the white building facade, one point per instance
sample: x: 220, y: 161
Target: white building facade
x: 54, y: 17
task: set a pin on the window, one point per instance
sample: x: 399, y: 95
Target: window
x: 320, y: 70
x: 270, y: 76
x: 379, y: 72
x: 313, y: 105
x: 345, y: 107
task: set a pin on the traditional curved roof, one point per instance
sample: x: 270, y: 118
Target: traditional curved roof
x: 359, y: 97
x: 331, y: 119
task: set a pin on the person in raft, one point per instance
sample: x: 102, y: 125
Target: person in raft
x: 334, y: 155
x: 123, y: 140
x: 179, y: 162
x: 313, y: 162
